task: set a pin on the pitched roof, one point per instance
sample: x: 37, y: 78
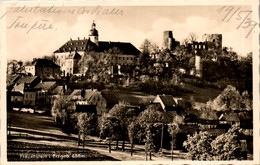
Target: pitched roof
x: 167, y: 100
x: 75, y: 45
x: 11, y: 79
x: 76, y: 94
x: 26, y: 79
x: 110, y: 97
x: 124, y: 47
x: 44, y: 63
x: 47, y: 85
x: 87, y: 45
x: 57, y: 90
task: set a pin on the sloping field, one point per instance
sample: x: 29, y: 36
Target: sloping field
x: 132, y: 97
x: 201, y: 95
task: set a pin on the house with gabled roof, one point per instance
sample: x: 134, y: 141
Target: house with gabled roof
x: 85, y: 98
x: 167, y: 102
x: 30, y: 81
x: 125, y: 56
x: 44, y: 68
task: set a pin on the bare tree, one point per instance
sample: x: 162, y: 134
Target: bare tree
x: 192, y: 37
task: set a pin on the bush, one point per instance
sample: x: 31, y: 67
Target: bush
x: 227, y: 146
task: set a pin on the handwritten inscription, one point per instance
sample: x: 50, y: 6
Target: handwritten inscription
x: 37, y: 25
x: 98, y: 10
x: 19, y: 22
x: 243, y: 16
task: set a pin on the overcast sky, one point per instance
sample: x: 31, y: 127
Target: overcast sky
x: 136, y: 24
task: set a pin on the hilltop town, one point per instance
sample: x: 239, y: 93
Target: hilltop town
x: 152, y: 100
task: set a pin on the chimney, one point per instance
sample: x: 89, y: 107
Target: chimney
x: 70, y: 39
x: 78, y: 38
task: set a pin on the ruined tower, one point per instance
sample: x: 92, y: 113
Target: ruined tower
x: 168, y: 41
x: 213, y: 41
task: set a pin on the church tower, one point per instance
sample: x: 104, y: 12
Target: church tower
x: 93, y: 33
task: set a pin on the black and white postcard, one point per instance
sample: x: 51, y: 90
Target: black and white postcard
x: 130, y: 82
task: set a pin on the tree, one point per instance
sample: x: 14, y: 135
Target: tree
x: 173, y: 129
x: 198, y: 146
x: 147, y: 48
x: 192, y: 37
x: 50, y: 57
x: 132, y: 133
x: 150, y: 121
x: 115, y: 123
x: 95, y: 65
x: 85, y: 125
x: 227, y: 146
x: 230, y: 99
x: 14, y: 67
x: 60, y: 108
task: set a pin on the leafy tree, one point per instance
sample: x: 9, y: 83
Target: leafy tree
x: 227, y: 146
x: 173, y: 129
x: 198, y: 146
x: 150, y: 123
x: 60, y: 108
x: 147, y: 48
x: 50, y: 57
x: 133, y: 129
x: 230, y: 99
x: 95, y: 65
x: 115, y: 123
x: 14, y: 67
x: 84, y: 124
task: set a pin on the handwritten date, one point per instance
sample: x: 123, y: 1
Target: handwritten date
x: 243, y: 15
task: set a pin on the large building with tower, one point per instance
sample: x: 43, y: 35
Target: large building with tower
x: 69, y: 54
